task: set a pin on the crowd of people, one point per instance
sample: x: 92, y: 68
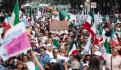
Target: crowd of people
x: 51, y: 51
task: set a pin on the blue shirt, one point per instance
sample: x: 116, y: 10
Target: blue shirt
x: 44, y: 59
x: 2, y: 68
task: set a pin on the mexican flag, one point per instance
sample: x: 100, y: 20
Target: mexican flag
x: 91, y: 29
x: 30, y: 13
x: 92, y: 18
x: 107, y: 17
x: 6, y: 24
x: 15, y: 15
x: 100, y: 29
x: 72, y: 48
x: 15, y: 42
x: 113, y: 37
x: 87, y: 47
x: 56, y: 43
x: 107, y: 46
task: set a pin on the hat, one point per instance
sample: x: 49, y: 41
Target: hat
x: 48, y: 45
x: 113, y: 43
x: 53, y: 61
x: 97, y: 53
x: 74, y: 52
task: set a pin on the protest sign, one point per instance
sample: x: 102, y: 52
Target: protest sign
x: 58, y: 25
x: 16, y: 44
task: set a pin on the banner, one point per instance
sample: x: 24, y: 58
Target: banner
x: 15, y: 47
x: 13, y: 32
x: 58, y: 25
x: 15, y: 42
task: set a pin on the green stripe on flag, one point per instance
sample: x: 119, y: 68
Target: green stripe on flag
x: 115, y: 19
x: 107, y: 46
x: 30, y: 12
x: 107, y: 17
x: 16, y: 13
x: 92, y: 16
x: 71, y: 45
x: 100, y: 29
x: 56, y: 43
x: 112, y: 31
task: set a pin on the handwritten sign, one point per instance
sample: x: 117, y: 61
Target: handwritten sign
x: 58, y: 25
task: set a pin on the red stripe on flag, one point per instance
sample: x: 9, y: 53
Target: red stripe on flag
x: 6, y: 26
x: 87, y: 26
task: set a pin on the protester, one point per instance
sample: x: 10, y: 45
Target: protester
x: 87, y: 45
x: 111, y: 60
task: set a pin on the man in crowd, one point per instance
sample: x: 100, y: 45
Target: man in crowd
x: 56, y: 50
x: 43, y: 57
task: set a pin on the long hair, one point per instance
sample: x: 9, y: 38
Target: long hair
x: 55, y: 66
x: 94, y: 63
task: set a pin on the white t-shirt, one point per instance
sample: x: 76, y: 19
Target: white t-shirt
x: 44, y: 38
x: 50, y: 54
x: 30, y: 65
x: 60, y: 57
x: 75, y: 64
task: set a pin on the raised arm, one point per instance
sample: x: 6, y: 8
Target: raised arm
x: 36, y: 60
x: 65, y: 65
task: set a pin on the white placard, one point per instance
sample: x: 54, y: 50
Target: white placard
x: 93, y: 5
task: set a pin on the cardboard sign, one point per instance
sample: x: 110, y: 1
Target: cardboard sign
x: 58, y: 25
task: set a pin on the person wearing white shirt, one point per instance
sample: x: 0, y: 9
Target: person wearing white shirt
x: 59, y: 57
x: 49, y: 50
x: 30, y: 64
x: 113, y: 61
